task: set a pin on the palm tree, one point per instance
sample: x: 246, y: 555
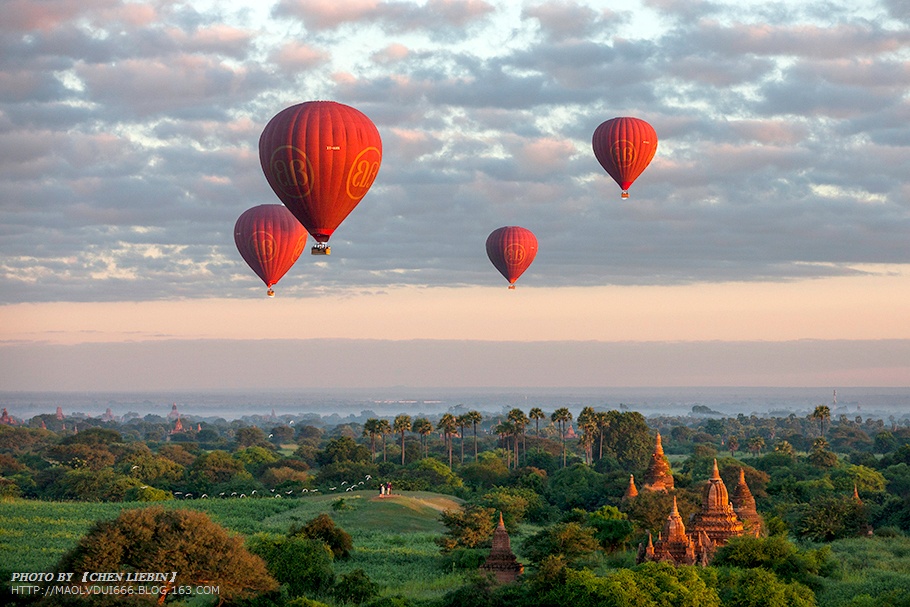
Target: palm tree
x: 371, y: 429
x: 448, y: 424
x: 603, y: 423
x: 424, y: 428
x: 384, y: 428
x: 519, y: 421
x: 733, y: 445
x: 462, y: 421
x: 822, y: 414
x: 505, y: 429
x: 587, y: 423
x: 474, y: 418
x: 756, y: 444
x: 560, y: 417
x: 537, y: 414
x: 401, y: 425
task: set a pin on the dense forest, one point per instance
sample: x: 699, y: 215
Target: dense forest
x: 833, y: 493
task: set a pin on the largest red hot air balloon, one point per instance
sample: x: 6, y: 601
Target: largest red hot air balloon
x: 320, y: 157
x: 270, y: 239
x: 511, y: 249
x: 624, y: 147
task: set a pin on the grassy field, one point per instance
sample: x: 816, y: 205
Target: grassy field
x: 393, y: 536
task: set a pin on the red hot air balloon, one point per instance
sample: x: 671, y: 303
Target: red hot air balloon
x: 320, y: 157
x: 511, y: 249
x: 624, y: 147
x: 270, y: 239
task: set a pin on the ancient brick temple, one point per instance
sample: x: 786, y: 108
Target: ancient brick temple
x: 659, y: 476
x: 709, y: 528
x: 716, y: 517
x: 675, y: 545
x: 502, y: 561
x: 631, y: 490
x: 744, y: 507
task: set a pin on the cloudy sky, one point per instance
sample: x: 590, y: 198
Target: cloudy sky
x: 777, y: 208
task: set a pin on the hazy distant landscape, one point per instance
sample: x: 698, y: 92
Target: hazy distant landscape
x: 869, y: 402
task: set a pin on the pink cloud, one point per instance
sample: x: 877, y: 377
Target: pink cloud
x: 295, y: 56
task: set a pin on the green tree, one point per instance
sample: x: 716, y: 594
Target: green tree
x: 572, y: 541
x: 613, y: 529
x: 215, y: 468
x: 401, y: 425
x: 536, y: 414
x: 371, y: 429
x: 448, y: 424
x: 354, y: 587
x: 385, y: 428
x: 821, y: 414
x: 304, y: 564
x: 424, y: 428
x: 561, y: 417
x: 519, y: 420
x: 474, y: 418
x: 471, y: 526
x: 251, y: 436
x: 628, y: 438
x: 324, y: 529
x: 761, y: 588
x: 188, y: 542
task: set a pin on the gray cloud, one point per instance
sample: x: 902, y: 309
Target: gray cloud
x: 129, y: 132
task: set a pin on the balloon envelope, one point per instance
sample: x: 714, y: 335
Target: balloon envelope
x: 270, y: 239
x: 511, y: 249
x: 320, y: 157
x: 624, y: 147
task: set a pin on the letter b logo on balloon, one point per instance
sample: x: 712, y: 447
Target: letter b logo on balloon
x: 292, y: 171
x: 363, y: 172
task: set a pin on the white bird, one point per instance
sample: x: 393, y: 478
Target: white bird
x: 277, y: 495
x: 272, y: 490
x: 344, y: 482
x: 134, y: 467
x: 349, y: 489
x: 271, y: 435
x: 332, y: 488
x: 144, y: 487
x: 254, y: 491
x: 304, y: 490
x: 233, y: 493
x: 360, y: 483
x: 204, y: 495
x: 221, y: 494
x: 369, y: 477
x: 243, y: 495
x: 288, y: 492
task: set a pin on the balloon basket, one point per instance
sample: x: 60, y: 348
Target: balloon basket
x: 511, y: 287
x: 321, y: 248
x: 625, y: 194
x: 270, y: 293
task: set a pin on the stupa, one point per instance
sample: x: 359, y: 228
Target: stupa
x: 717, y: 519
x: 744, y: 507
x: 502, y: 561
x: 631, y: 490
x: 659, y: 476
